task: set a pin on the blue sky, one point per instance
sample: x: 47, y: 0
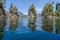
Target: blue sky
x: 23, y: 5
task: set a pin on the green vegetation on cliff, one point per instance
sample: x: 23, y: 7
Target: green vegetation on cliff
x: 48, y: 10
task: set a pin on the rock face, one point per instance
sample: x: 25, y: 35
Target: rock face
x: 13, y: 13
x: 2, y: 19
x: 32, y: 17
x: 48, y: 11
x: 57, y: 11
x: 58, y: 6
x: 2, y: 13
x: 32, y: 13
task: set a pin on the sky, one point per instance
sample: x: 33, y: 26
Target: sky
x: 23, y: 5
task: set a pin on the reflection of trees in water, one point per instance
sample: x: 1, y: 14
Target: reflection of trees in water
x: 57, y: 21
x: 32, y: 25
x: 13, y: 24
x: 47, y: 25
x: 1, y: 33
x: 2, y: 24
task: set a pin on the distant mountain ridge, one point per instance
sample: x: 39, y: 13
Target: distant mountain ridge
x: 21, y: 14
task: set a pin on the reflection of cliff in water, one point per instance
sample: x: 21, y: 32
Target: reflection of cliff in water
x: 57, y: 25
x: 13, y: 24
x: 47, y: 24
x: 2, y: 24
x: 1, y: 34
x: 31, y: 24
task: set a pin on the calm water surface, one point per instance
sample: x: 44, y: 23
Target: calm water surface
x: 43, y: 29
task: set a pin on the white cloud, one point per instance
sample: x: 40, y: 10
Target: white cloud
x: 39, y: 10
x: 26, y: 13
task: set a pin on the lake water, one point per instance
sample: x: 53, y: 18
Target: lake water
x: 46, y: 29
